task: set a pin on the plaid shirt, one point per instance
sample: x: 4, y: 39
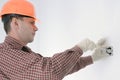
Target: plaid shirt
x: 18, y: 62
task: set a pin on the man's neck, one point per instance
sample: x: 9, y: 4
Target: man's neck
x: 17, y: 38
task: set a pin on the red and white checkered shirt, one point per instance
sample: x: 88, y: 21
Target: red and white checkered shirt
x: 18, y: 62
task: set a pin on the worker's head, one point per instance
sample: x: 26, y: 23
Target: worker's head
x: 18, y: 17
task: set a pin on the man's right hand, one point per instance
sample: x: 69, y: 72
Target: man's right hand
x: 102, y: 52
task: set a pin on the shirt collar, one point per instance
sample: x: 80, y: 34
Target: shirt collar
x: 13, y: 43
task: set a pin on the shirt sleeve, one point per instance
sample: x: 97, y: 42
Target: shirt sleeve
x: 82, y: 62
x: 69, y: 61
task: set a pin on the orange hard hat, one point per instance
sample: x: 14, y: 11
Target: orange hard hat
x: 22, y: 7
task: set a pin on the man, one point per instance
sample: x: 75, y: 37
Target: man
x: 19, y: 62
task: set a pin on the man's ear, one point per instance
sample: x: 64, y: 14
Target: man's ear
x: 15, y: 23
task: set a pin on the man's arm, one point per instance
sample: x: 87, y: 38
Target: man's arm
x: 63, y: 63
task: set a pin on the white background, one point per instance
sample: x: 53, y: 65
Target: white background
x: 63, y: 23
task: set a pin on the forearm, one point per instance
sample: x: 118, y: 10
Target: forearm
x: 63, y: 62
x: 82, y: 63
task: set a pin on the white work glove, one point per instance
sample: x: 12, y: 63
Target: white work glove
x: 86, y: 45
x: 102, y: 50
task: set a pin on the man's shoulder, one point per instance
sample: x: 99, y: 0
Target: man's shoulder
x: 3, y: 45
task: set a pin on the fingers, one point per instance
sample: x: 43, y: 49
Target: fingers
x: 86, y: 45
x: 102, y: 42
x: 105, y: 51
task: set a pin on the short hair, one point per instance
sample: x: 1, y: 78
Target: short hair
x: 7, y: 18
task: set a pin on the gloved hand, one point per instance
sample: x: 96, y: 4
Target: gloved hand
x: 86, y: 45
x: 102, y: 52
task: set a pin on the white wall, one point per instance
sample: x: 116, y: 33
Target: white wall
x: 66, y: 22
